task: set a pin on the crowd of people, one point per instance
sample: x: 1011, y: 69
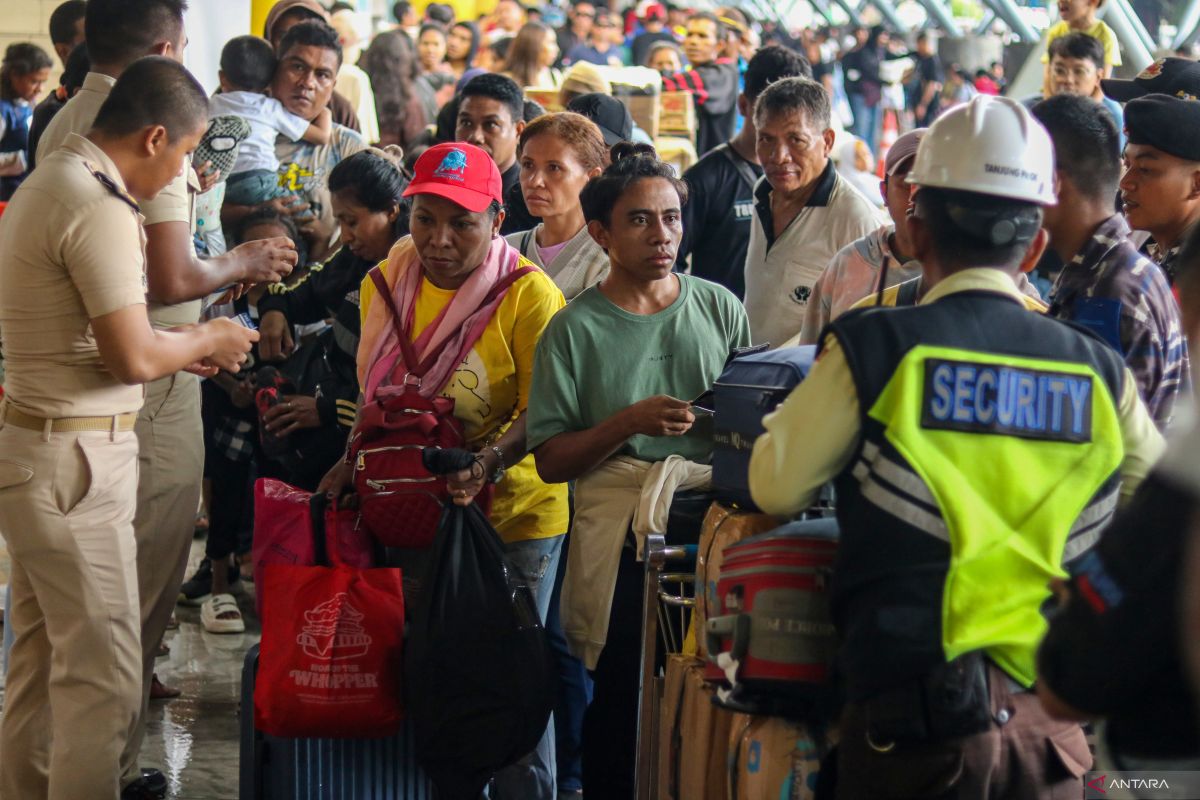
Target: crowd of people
x: 344, y: 209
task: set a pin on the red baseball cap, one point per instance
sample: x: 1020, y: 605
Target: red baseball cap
x: 459, y: 172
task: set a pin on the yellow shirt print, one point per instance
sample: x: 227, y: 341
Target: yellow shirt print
x: 293, y: 177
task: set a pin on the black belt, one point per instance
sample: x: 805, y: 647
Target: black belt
x: 950, y: 701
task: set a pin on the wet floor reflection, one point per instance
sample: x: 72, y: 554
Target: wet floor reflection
x: 193, y: 739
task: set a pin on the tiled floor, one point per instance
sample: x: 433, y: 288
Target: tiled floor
x: 194, y: 738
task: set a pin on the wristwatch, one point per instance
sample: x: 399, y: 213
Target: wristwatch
x: 498, y: 475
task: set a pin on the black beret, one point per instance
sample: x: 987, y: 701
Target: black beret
x: 1170, y: 124
x: 1179, y: 77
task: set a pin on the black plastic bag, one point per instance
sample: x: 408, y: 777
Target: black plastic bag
x: 479, y: 678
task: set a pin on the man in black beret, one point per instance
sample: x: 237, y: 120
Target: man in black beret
x: 1178, y: 77
x: 1160, y: 190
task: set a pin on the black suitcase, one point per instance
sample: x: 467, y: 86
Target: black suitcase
x: 750, y: 387
x: 324, y: 769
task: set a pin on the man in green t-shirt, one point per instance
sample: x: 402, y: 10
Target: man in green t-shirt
x: 614, y: 375
x: 612, y: 381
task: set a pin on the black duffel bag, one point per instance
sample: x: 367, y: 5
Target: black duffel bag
x: 480, y: 680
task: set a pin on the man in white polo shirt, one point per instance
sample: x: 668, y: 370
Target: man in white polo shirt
x: 804, y: 211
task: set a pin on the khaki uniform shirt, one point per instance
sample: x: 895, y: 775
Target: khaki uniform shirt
x: 71, y: 250
x: 172, y: 204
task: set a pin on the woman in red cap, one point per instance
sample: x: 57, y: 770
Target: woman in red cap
x: 440, y: 277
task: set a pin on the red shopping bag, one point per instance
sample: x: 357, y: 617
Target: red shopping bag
x: 330, y: 659
x: 283, y: 532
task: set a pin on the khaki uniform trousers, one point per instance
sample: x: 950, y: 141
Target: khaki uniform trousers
x: 1025, y: 755
x: 171, y: 453
x: 67, y: 502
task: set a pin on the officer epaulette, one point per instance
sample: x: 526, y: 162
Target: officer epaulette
x: 113, y: 188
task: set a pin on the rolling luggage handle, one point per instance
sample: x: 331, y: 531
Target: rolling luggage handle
x: 734, y: 626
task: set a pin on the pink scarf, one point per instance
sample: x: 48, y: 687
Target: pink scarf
x: 381, y: 367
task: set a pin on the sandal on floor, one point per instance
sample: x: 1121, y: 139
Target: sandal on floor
x: 220, y: 614
x: 160, y: 691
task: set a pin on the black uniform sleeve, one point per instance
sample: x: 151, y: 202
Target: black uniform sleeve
x: 1118, y: 636
x: 337, y: 402
x: 307, y: 301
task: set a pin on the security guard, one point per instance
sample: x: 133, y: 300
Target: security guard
x: 977, y: 450
x: 78, y: 342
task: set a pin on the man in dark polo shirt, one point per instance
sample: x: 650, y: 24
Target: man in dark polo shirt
x: 716, y: 219
x: 66, y: 32
x: 491, y: 116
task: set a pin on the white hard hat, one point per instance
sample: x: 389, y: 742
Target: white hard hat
x: 991, y: 145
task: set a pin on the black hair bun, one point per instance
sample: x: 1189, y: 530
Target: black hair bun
x: 622, y: 150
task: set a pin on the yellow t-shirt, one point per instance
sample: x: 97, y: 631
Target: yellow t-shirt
x: 491, y: 387
x: 1112, y: 50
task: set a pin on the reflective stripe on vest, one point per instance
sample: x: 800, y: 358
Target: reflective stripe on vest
x: 965, y: 422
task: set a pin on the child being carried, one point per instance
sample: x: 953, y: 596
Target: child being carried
x: 247, y: 67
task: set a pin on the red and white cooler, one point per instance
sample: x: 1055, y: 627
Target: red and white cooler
x: 773, y: 634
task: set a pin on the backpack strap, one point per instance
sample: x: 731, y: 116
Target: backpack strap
x: 406, y: 349
x: 740, y: 164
